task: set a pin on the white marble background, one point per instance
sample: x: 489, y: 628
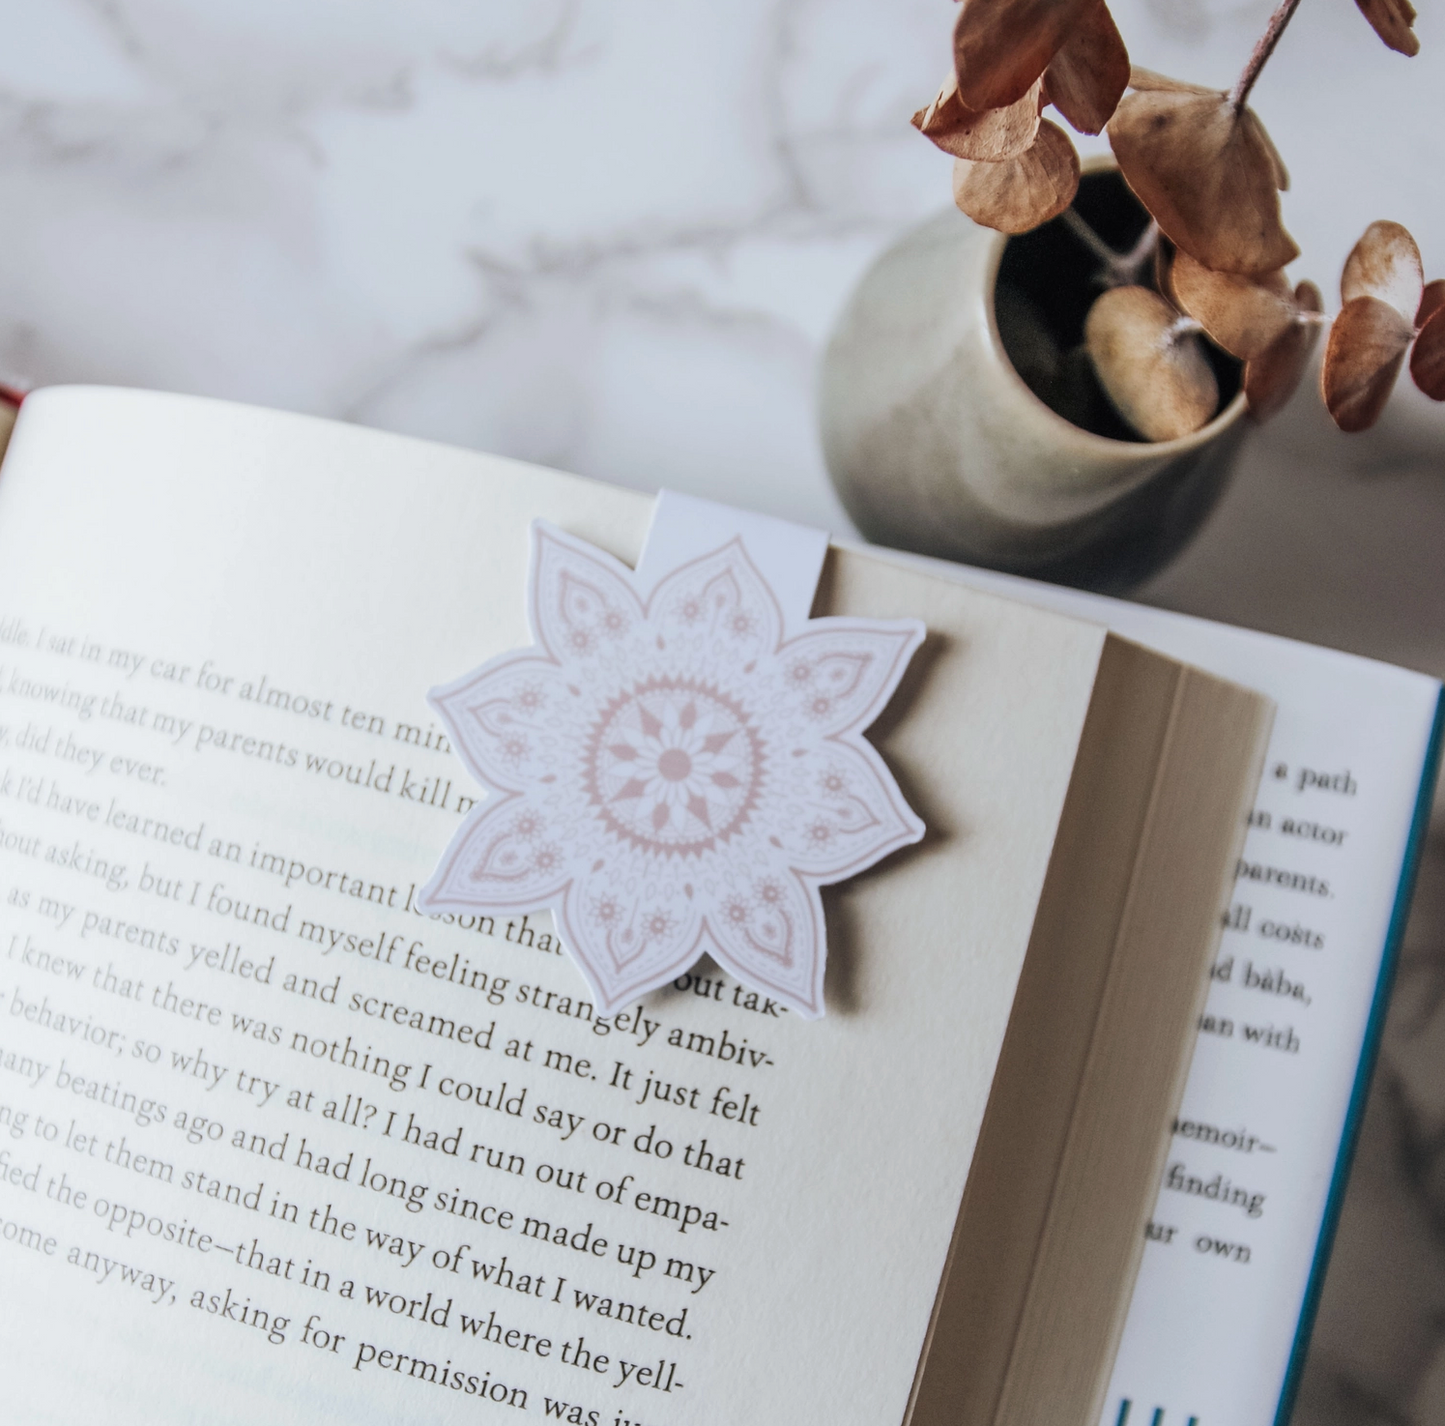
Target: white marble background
x: 611, y: 235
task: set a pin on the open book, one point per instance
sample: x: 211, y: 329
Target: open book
x: 276, y: 1146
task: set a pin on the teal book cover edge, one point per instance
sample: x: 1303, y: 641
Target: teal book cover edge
x: 1365, y: 1072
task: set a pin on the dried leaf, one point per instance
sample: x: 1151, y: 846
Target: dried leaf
x: 1427, y: 361
x: 1270, y: 379
x: 1431, y: 301
x: 1088, y: 76
x: 1020, y: 193
x: 1244, y: 315
x: 1391, y: 20
x: 1152, y: 81
x: 1205, y: 171
x: 1156, y: 375
x: 1281, y: 173
x: 1366, y: 350
x: 1385, y: 263
x: 992, y: 136
x: 1000, y: 47
x: 943, y: 113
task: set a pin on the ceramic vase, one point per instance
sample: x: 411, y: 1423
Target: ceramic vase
x: 936, y: 444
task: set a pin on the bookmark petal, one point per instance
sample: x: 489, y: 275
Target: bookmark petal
x: 508, y: 721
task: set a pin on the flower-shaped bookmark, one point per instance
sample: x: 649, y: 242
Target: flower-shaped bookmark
x: 672, y: 773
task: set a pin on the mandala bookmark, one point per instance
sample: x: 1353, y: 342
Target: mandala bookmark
x: 676, y: 765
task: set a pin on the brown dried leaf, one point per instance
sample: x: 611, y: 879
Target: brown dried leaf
x: 1385, y: 263
x: 1431, y: 301
x: 1270, y: 379
x: 1158, y: 377
x: 943, y: 112
x: 1088, y: 76
x: 1243, y: 315
x: 1281, y: 173
x: 1427, y: 361
x: 992, y: 136
x: 1000, y: 47
x: 1366, y: 350
x: 1151, y: 80
x: 1392, y: 21
x: 1206, y: 173
x: 1020, y: 193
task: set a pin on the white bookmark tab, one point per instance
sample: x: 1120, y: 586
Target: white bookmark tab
x: 676, y: 765
x: 789, y: 557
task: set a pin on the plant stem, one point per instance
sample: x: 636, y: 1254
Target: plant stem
x: 1262, y: 51
x: 1120, y: 269
x: 1142, y: 251
x: 1182, y: 326
x: 1090, y: 239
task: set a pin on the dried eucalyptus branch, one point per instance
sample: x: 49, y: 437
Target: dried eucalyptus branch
x: 1205, y: 169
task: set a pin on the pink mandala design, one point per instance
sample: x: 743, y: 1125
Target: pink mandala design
x: 674, y: 766
x: 672, y: 776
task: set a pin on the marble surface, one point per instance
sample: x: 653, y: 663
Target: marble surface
x: 611, y: 235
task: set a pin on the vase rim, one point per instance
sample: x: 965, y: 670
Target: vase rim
x: 1180, y: 445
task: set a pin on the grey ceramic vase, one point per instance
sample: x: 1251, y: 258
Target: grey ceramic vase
x: 937, y: 445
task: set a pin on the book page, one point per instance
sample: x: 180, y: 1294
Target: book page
x: 276, y: 1147
x: 1212, y: 1331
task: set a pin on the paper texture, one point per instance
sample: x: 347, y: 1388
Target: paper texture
x: 244, y: 1083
